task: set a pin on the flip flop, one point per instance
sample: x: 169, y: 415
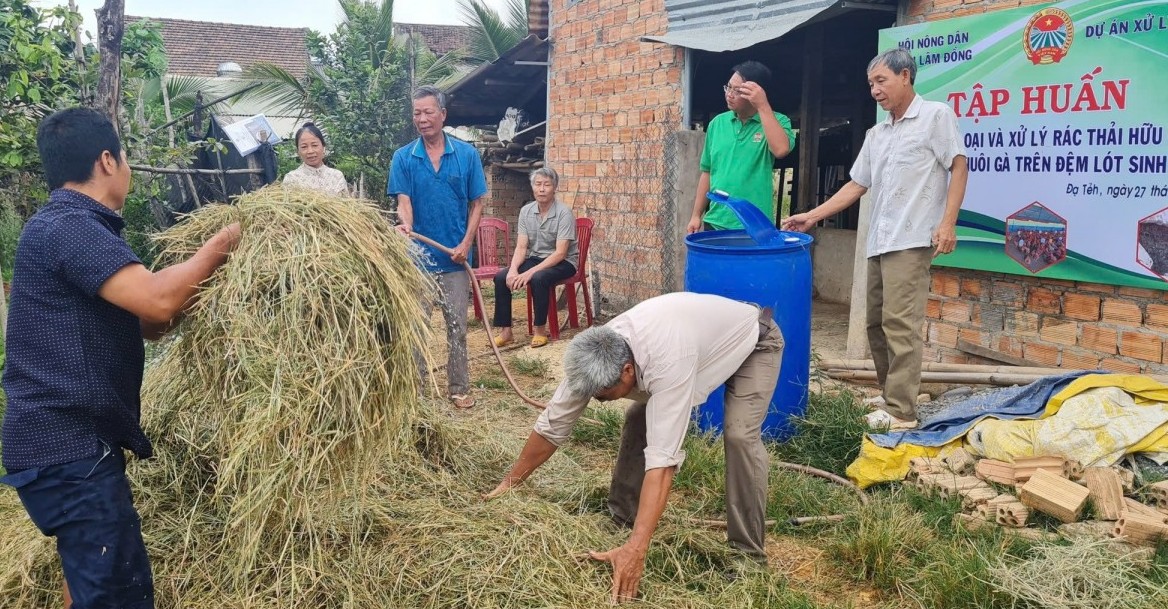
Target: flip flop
x: 538, y: 341
x: 462, y: 401
x: 499, y: 342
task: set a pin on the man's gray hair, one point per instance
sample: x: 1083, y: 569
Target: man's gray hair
x: 594, y: 359
x: 430, y: 91
x: 897, y: 60
x: 548, y: 173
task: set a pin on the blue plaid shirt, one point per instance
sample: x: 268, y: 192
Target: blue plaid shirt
x: 73, y: 368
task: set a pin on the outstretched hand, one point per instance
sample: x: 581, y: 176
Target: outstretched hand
x: 628, y: 564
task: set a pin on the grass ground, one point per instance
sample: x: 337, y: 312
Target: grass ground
x: 901, y: 550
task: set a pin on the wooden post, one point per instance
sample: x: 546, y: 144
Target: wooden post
x: 809, y: 119
x: 110, y: 28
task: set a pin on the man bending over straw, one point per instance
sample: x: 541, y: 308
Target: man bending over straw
x: 667, y: 354
x: 81, y: 304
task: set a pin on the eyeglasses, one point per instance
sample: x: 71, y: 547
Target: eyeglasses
x: 731, y: 90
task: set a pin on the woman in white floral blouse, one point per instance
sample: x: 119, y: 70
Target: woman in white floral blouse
x: 313, y: 173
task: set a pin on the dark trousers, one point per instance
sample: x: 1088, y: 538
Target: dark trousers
x: 539, y: 288
x: 88, y: 507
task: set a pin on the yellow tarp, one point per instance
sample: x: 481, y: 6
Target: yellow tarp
x: 1096, y: 419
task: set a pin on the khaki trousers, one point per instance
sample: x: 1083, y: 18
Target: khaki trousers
x: 748, y: 398
x: 453, y: 298
x: 898, y: 285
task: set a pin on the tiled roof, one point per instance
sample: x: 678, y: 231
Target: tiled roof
x: 196, y: 48
x: 439, y: 39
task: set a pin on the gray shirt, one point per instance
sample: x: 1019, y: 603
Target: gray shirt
x: 559, y: 224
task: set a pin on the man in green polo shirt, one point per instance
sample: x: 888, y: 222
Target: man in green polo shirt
x: 741, y: 148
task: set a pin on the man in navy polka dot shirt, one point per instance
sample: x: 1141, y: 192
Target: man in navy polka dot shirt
x: 81, y: 304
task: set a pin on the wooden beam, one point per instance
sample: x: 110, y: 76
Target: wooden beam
x: 176, y: 171
x: 809, y: 119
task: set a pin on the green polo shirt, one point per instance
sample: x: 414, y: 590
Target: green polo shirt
x: 739, y: 163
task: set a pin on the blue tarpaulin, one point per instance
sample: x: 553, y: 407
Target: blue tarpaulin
x: 1025, y: 402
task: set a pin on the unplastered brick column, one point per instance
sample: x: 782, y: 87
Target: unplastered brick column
x: 508, y: 192
x: 1050, y: 322
x: 611, y: 100
x: 916, y: 11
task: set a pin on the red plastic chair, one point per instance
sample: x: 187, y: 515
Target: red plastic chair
x: 583, y: 240
x: 488, y: 253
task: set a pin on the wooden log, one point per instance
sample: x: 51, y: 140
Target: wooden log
x: 960, y: 462
x: 867, y: 364
x: 1052, y: 494
x: 178, y: 171
x: 993, y: 470
x: 1029, y: 371
x: 1106, y: 492
x: 1141, y: 529
x: 964, y: 378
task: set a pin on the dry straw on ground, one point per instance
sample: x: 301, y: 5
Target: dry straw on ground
x: 297, y: 467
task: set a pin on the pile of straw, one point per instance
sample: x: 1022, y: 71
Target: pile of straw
x: 296, y: 465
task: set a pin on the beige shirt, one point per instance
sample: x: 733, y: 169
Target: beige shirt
x: 684, y: 346
x: 906, y: 166
x: 321, y: 179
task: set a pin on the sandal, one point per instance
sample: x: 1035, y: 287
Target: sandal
x: 538, y: 341
x: 499, y: 342
x: 882, y: 420
x: 462, y: 401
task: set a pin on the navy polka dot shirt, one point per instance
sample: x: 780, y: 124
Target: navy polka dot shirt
x: 73, y: 371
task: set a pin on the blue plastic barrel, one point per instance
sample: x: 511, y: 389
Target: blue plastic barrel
x: 778, y: 275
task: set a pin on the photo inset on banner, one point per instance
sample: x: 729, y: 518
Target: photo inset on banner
x: 1152, y: 243
x: 1036, y: 237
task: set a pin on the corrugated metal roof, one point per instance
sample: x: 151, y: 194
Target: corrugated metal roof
x: 730, y: 25
x: 516, y: 78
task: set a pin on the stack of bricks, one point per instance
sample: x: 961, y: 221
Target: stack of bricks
x: 1067, y: 324
x: 611, y: 99
x: 917, y: 11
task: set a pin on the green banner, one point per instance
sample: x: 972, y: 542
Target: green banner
x: 1062, y: 107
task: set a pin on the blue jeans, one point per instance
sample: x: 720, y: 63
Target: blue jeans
x: 88, y: 507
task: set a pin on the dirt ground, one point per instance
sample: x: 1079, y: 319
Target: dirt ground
x: 805, y: 565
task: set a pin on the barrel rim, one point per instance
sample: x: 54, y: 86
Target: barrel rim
x: 694, y: 241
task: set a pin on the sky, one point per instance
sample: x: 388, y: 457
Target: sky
x: 320, y: 15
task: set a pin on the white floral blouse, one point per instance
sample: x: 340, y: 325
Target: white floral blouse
x: 322, y: 179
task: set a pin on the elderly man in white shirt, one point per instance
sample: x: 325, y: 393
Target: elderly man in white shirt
x: 667, y: 354
x: 914, y: 163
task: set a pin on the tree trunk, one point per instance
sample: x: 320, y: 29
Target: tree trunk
x: 110, y: 27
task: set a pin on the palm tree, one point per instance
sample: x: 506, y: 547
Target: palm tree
x: 493, y: 34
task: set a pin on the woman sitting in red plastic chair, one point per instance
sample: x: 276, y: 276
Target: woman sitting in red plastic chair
x: 545, y: 254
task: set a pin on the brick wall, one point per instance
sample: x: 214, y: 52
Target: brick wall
x: 508, y: 191
x: 916, y: 11
x: 612, y: 98
x: 1054, y: 323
